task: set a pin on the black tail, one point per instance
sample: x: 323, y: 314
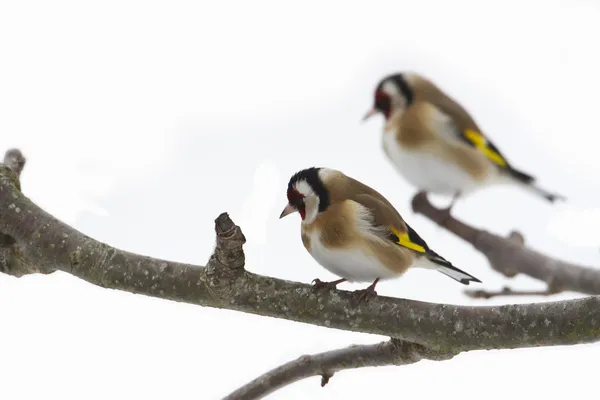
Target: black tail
x: 529, y: 181
x: 520, y: 176
x: 551, y: 197
x: 445, y: 267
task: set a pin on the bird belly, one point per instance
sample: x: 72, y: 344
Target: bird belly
x: 355, y: 265
x: 427, y: 171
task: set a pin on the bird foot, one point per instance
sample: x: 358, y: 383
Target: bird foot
x: 363, y: 295
x: 320, y: 285
x: 366, y: 294
x: 444, y: 215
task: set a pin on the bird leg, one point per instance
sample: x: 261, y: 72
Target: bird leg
x: 365, y: 294
x: 445, y: 212
x: 319, y: 284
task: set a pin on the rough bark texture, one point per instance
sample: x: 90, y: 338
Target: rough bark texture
x: 32, y: 241
x: 510, y: 256
x: 49, y: 244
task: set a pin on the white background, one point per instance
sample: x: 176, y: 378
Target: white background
x: 142, y: 121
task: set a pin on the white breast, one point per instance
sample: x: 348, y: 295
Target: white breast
x: 354, y: 265
x: 426, y: 171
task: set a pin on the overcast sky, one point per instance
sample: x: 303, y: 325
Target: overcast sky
x: 142, y: 121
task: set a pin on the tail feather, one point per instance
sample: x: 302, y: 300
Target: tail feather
x: 520, y: 175
x: 445, y: 267
x: 551, y: 197
x: 528, y: 181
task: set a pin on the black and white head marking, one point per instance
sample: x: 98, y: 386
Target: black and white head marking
x: 393, y: 92
x: 307, y: 193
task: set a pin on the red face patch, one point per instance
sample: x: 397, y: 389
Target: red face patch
x: 296, y: 200
x: 383, y: 103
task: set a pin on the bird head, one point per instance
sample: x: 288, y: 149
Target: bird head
x: 392, y: 93
x: 306, y: 194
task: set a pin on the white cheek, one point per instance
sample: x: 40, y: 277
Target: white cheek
x: 391, y: 90
x: 311, y: 206
x: 304, y: 188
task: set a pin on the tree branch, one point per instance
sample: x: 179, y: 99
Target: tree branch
x: 39, y: 243
x: 12, y: 261
x: 506, y: 291
x: 15, y: 160
x: 392, y: 352
x: 49, y: 244
x: 509, y: 256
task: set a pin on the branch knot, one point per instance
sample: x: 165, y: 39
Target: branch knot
x: 227, y: 262
x: 230, y: 239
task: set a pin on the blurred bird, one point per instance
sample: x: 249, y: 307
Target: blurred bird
x: 436, y: 145
x: 355, y: 233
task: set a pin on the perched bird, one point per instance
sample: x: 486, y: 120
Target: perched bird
x: 436, y: 145
x: 355, y: 233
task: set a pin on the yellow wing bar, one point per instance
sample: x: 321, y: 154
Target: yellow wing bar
x: 482, y: 144
x: 404, y: 240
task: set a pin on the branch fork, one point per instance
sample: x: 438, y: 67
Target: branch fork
x: 510, y: 257
x: 32, y: 241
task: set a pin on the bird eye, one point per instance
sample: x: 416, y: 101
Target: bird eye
x: 295, y: 199
x: 298, y: 202
x: 382, y: 101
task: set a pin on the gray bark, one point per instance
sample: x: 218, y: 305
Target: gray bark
x: 45, y: 244
x: 509, y: 256
x: 392, y: 352
x: 33, y: 241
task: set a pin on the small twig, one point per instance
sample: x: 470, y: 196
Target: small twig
x: 509, y: 256
x: 15, y: 160
x: 506, y: 291
x: 392, y: 352
x: 325, y: 377
x: 11, y: 261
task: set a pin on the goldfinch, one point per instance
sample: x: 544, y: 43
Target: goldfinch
x: 436, y: 145
x: 355, y: 233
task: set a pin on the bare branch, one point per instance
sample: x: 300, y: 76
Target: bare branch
x: 510, y: 256
x: 49, y: 244
x: 11, y: 260
x: 15, y: 160
x: 506, y: 291
x: 516, y: 258
x: 392, y: 352
x: 36, y: 242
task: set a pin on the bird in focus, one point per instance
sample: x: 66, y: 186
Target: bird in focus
x: 355, y: 233
x: 436, y: 145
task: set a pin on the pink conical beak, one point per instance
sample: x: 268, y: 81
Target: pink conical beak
x: 369, y: 114
x: 287, y: 211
